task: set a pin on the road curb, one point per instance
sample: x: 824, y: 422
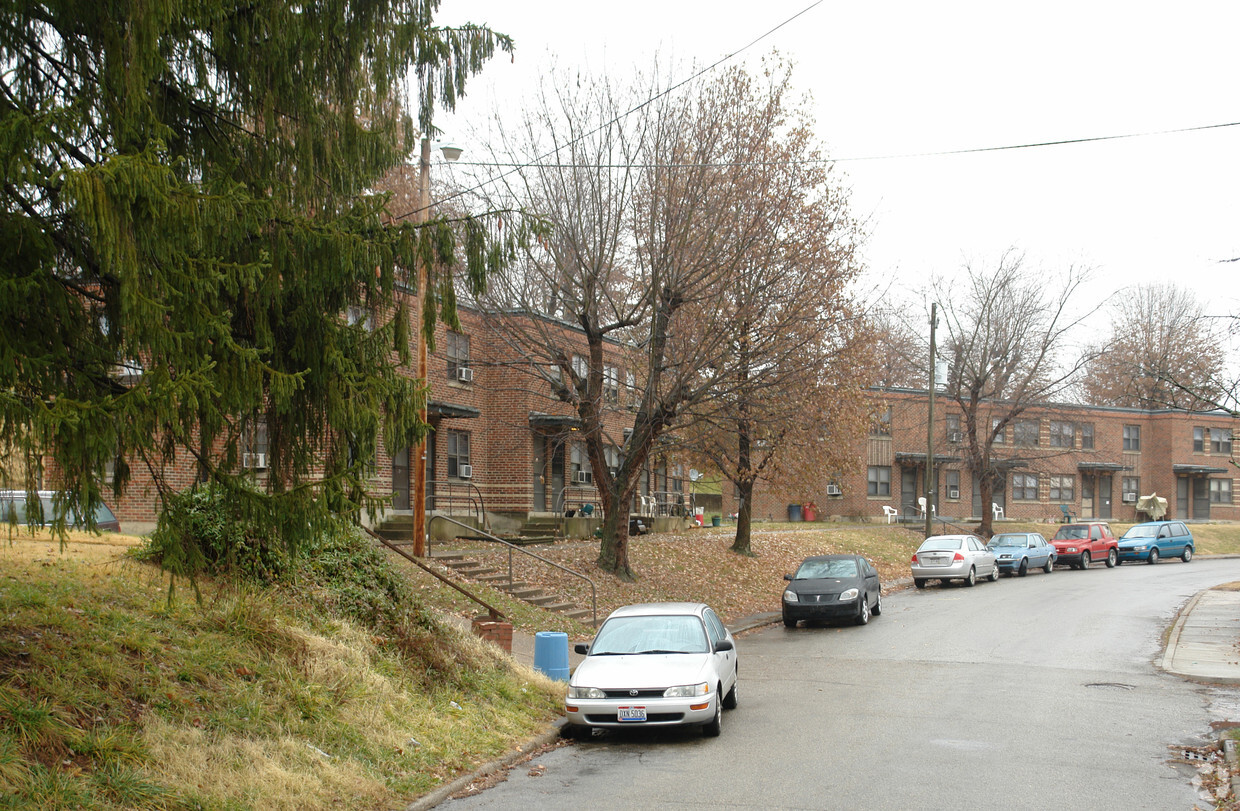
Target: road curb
x: 1173, y: 640
x: 442, y: 793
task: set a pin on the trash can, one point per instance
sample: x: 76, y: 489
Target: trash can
x: 716, y: 521
x: 551, y: 654
x: 794, y: 512
x: 810, y: 511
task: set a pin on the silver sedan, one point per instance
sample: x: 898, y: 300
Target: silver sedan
x: 953, y: 557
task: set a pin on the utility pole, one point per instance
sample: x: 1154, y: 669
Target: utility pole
x: 929, y: 477
x: 417, y: 455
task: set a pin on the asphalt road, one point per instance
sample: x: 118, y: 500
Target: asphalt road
x: 1037, y: 693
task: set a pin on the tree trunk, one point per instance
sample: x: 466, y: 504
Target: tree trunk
x: 986, y: 491
x: 743, y: 543
x: 613, y: 550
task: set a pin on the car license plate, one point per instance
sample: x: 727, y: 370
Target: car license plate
x: 632, y: 714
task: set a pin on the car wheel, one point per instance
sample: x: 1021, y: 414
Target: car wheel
x: 1153, y: 558
x: 1050, y: 565
x: 1112, y: 557
x: 1024, y: 568
x: 863, y: 616
x: 1085, y: 561
x: 878, y: 604
x: 730, y: 700
x: 789, y: 622
x: 919, y: 582
x: 971, y: 580
x: 994, y: 573
x: 1188, y: 554
x: 713, y: 727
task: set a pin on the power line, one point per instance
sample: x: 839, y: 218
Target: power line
x: 538, y: 161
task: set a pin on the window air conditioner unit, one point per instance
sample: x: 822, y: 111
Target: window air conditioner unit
x: 257, y: 461
x: 465, y: 471
x: 465, y: 375
x: 955, y: 437
x: 584, y: 477
x: 953, y: 493
x: 834, y: 490
x: 1130, y: 498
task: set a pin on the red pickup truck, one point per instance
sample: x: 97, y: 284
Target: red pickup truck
x: 1078, y: 545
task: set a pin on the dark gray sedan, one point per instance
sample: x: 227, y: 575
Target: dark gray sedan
x: 832, y: 587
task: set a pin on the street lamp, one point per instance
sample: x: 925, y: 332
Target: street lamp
x: 419, y: 450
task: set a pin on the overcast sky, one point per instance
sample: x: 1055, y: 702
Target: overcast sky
x: 908, y: 78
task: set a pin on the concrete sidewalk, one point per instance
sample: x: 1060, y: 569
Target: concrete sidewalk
x: 1205, y: 640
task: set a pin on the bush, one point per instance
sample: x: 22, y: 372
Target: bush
x: 202, y: 531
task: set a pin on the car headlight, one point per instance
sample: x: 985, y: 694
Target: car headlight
x: 1070, y: 549
x: 1140, y: 548
x: 688, y: 690
x: 790, y: 596
x: 851, y: 594
x: 585, y: 692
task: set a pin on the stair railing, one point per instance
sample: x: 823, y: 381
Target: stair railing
x: 446, y: 495
x: 495, y: 613
x: 513, y: 547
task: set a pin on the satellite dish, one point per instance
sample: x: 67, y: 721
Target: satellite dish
x: 694, y: 474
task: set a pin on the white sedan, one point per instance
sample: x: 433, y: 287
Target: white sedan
x: 953, y: 557
x: 654, y: 664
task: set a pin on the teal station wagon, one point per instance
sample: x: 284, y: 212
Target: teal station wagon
x: 1157, y: 539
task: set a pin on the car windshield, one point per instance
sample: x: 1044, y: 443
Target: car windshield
x: 1008, y: 540
x: 941, y: 544
x: 650, y: 634
x: 1142, y: 532
x: 1072, y: 533
x: 813, y: 569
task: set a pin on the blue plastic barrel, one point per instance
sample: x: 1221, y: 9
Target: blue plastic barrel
x: 794, y: 512
x: 551, y: 654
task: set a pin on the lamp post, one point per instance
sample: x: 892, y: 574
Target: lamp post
x: 418, y: 452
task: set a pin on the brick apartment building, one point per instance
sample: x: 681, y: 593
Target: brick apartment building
x: 501, y: 443
x: 1095, y: 461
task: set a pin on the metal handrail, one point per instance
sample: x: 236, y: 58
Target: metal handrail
x: 473, y: 497
x: 495, y: 613
x: 489, y: 537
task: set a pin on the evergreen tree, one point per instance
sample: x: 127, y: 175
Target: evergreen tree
x: 185, y: 221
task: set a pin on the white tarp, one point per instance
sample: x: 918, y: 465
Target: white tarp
x: 1152, y: 505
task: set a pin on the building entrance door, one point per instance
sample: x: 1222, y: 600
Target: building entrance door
x: 1087, y: 496
x: 1201, y: 498
x: 908, y: 491
x: 539, y: 474
x: 1104, y: 496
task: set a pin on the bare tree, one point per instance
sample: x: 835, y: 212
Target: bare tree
x: 1007, y: 333
x: 900, y: 351
x: 1162, y: 353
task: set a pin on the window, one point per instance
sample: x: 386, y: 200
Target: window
x: 360, y: 316
x: 1220, y: 491
x: 1129, y: 487
x: 458, y: 452
x: 581, y: 366
x: 254, y: 437
x: 1220, y: 440
x: 999, y: 433
x: 953, y: 484
x: 611, y: 454
x: 1132, y: 437
x: 579, y: 464
x: 1199, y: 439
x: 878, y: 481
x: 611, y: 383
x: 1063, y: 434
x: 456, y: 349
x: 1025, y: 486
x: 1062, y: 487
x: 954, y: 434
x: 1025, y: 432
x: 630, y: 380
x: 1087, y: 435
x: 880, y: 425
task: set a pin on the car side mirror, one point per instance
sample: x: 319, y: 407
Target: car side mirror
x: 787, y: 577
x: 581, y: 648
x: 723, y: 645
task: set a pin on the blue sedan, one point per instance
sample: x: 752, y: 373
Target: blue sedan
x: 1157, y: 539
x: 1018, y: 552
